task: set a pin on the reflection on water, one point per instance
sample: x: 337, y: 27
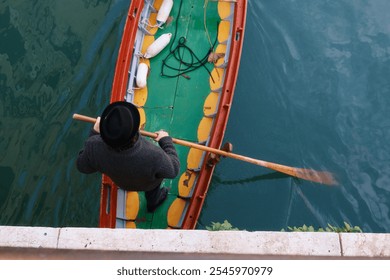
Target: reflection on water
x: 52, y: 54
x: 313, y: 92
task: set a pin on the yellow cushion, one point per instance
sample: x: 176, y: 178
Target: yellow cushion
x: 224, y: 9
x: 175, y: 212
x: 140, y: 96
x: 194, y: 159
x: 132, y: 205
x: 186, y: 183
x: 142, y: 117
x: 223, y: 31
x: 131, y: 225
x: 221, y: 48
x: 148, y: 40
x: 157, y: 4
x: 217, y: 79
x: 210, y: 104
x: 204, y: 129
x: 153, y: 22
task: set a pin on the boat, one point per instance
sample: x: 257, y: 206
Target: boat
x: 178, y: 62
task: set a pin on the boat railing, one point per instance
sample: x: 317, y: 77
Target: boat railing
x: 142, y: 30
x: 144, y: 23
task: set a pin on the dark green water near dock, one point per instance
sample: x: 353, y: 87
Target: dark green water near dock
x: 313, y: 91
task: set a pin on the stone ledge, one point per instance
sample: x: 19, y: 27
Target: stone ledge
x: 365, y: 245
x: 29, y: 237
x: 199, y: 241
x: 196, y: 243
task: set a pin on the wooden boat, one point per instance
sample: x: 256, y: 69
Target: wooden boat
x: 185, y: 94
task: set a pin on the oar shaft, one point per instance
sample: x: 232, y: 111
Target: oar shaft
x: 84, y: 118
x: 307, y: 174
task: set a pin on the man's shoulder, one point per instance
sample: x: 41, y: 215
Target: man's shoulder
x: 94, y: 140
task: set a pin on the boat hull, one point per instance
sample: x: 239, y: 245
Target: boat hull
x: 173, y: 104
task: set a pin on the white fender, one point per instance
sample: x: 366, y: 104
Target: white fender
x: 164, y: 12
x: 142, y: 74
x: 158, y: 45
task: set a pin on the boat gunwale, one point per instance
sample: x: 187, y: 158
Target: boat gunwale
x: 218, y: 130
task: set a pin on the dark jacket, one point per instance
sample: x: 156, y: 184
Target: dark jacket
x: 139, y: 168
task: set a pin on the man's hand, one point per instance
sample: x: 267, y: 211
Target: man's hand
x: 96, y: 126
x: 160, y: 134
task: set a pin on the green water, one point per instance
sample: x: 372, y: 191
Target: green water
x: 313, y: 91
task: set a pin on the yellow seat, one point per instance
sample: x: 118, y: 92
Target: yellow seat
x: 210, y: 104
x: 221, y: 48
x: 194, y: 159
x: 175, y: 213
x: 223, y: 31
x: 142, y: 117
x: 186, y: 183
x: 216, y: 79
x: 132, y: 205
x: 140, y: 96
x: 144, y: 60
x: 131, y: 225
x: 153, y: 23
x: 157, y: 4
x: 204, y: 129
x: 153, y: 18
x: 148, y: 40
x: 224, y: 9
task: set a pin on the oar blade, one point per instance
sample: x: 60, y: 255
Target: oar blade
x: 322, y: 177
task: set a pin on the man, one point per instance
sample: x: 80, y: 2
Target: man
x: 116, y: 148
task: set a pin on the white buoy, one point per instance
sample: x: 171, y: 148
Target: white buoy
x: 164, y: 12
x: 142, y: 74
x: 158, y: 45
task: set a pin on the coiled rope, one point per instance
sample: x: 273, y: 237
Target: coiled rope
x: 182, y: 51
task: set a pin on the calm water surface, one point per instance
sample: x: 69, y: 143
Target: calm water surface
x: 313, y: 91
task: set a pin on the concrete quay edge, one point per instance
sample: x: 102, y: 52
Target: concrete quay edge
x: 100, y: 243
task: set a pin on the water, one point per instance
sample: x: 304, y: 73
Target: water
x: 312, y: 91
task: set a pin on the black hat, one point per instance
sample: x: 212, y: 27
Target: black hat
x: 119, y: 123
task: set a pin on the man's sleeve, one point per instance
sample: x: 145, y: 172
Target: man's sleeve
x: 84, y: 163
x: 171, y: 167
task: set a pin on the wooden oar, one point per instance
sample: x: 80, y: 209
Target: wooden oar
x: 322, y: 177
